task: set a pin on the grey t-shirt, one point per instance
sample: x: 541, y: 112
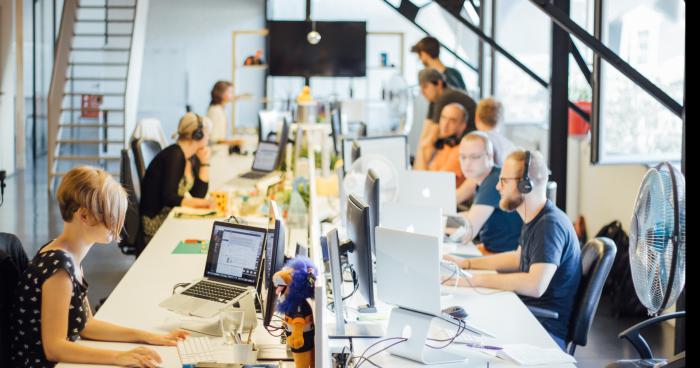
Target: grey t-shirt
x: 450, y: 95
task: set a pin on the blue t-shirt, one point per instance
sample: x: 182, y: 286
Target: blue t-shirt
x: 550, y: 238
x: 501, y: 232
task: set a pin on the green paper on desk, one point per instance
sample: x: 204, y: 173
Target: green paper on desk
x: 191, y: 248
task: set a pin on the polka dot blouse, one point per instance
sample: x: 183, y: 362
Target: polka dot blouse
x: 25, y: 319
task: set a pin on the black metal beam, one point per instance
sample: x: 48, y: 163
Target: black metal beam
x: 559, y: 103
x: 493, y: 51
x: 481, y: 53
x: 470, y: 65
x: 496, y: 46
x: 595, y: 80
x: 565, y: 23
x: 584, y: 115
x: 581, y: 63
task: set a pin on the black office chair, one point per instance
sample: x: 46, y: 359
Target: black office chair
x: 13, y: 262
x: 144, y: 151
x: 132, y: 237
x: 597, y: 257
x: 552, y: 191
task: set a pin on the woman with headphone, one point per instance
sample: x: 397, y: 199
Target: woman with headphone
x: 180, y: 168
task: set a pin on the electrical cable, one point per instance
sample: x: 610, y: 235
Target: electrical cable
x: 362, y: 358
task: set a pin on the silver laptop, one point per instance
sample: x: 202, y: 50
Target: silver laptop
x: 429, y: 188
x: 232, y: 270
x: 412, y: 218
x: 265, y: 165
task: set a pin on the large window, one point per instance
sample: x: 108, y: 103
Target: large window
x: 650, y: 36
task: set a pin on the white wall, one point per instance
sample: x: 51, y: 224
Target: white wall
x: 604, y: 193
x: 188, y: 43
x: 7, y: 87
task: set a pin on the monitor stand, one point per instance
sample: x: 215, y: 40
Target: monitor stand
x: 415, y: 327
x: 355, y: 330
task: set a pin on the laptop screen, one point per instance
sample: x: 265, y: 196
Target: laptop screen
x: 235, y: 252
x: 265, y: 157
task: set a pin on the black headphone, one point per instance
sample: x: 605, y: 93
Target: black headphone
x: 525, y: 184
x: 198, y: 133
x: 450, y: 141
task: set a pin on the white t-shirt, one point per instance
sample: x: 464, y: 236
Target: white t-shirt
x: 502, y: 146
x: 217, y: 114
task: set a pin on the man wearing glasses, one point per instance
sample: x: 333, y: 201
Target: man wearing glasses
x: 498, y: 230
x: 545, y: 270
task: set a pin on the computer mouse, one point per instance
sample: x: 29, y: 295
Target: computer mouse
x: 456, y: 312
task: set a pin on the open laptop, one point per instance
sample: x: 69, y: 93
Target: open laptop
x: 232, y: 270
x: 412, y: 218
x: 429, y: 188
x: 266, y: 161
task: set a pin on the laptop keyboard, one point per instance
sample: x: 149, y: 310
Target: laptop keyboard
x: 254, y: 174
x: 213, y: 291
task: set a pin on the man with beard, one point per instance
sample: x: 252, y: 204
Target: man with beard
x: 545, y: 270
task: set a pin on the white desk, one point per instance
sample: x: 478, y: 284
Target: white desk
x: 134, y: 302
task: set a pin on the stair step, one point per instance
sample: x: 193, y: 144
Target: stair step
x: 79, y: 109
x: 63, y: 173
x: 106, y: 94
x: 104, y: 20
x: 106, y: 79
x: 89, y: 141
x: 87, y: 158
x: 108, y: 35
x: 108, y: 7
x: 80, y: 63
x: 69, y: 125
x: 103, y: 49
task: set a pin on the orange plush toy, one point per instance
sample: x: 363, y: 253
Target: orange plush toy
x: 294, y: 285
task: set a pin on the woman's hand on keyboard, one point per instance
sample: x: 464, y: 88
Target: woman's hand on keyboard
x: 138, y: 357
x: 169, y: 339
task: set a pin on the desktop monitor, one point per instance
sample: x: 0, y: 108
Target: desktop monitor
x: 355, y: 152
x: 393, y: 147
x: 358, y: 232
x: 336, y: 127
x: 372, y: 198
x: 274, y: 261
x: 302, y: 250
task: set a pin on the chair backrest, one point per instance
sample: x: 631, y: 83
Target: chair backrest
x: 132, y: 223
x: 13, y: 262
x: 552, y: 191
x: 597, y: 258
x: 144, y: 151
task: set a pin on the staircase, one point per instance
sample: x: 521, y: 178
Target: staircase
x: 89, y: 111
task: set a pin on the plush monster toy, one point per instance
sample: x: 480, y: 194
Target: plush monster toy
x: 294, y: 285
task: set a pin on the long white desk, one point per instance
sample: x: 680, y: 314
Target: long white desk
x: 134, y: 302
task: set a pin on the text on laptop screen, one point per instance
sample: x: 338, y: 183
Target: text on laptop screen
x: 265, y: 157
x: 235, y: 254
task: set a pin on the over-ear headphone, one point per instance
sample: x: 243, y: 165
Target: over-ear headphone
x: 525, y: 184
x: 450, y: 141
x: 198, y: 133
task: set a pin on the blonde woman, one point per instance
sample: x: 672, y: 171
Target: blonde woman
x: 50, y: 311
x: 178, y: 169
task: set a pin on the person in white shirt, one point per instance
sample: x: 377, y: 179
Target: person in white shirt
x: 221, y: 94
x: 489, y: 113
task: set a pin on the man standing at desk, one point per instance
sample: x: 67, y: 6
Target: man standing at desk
x: 545, y: 270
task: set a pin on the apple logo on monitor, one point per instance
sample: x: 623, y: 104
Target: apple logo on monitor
x: 410, y: 229
x: 426, y: 192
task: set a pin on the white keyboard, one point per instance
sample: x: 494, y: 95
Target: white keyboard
x: 193, y: 350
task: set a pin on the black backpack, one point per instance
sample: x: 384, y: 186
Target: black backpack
x: 619, y: 287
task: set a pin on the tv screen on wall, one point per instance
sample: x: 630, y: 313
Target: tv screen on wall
x: 340, y: 53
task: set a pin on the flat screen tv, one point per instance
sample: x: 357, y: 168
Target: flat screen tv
x: 340, y: 53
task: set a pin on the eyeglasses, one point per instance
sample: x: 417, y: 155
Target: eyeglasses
x: 472, y: 157
x: 503, y: 180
